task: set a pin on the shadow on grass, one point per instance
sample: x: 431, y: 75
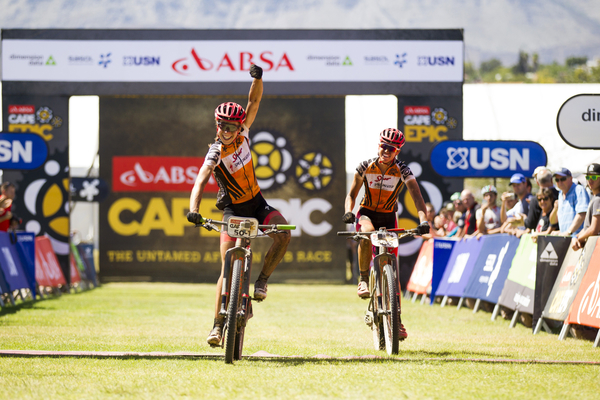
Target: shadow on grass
x: 31, y: 304
x: 264, y: 357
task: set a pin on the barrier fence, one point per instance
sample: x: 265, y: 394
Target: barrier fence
x: 545, y: 283
x: 29, y: 268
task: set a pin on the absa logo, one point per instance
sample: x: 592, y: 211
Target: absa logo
x: 239, y: 62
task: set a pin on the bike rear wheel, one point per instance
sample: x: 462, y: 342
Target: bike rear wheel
x: 232, y: 311
x: 377, y: 325
x: 391, y: 323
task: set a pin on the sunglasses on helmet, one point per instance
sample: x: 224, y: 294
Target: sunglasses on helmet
x: 387, y: 147
x: 592, y: 177
x: 227, y: 127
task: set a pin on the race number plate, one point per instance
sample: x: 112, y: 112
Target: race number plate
x: 385, y: 239
x: 242, y: 227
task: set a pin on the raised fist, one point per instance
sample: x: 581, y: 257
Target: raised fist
x: 255, y: 71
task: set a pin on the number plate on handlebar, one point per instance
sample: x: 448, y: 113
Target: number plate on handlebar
x: 385, y: 239
x: 242, y: 227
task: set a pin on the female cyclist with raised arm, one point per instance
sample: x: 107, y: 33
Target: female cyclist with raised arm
x: 230, y: 160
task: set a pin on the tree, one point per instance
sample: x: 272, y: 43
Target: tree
x: 575, y: 61
x: 489, y: 66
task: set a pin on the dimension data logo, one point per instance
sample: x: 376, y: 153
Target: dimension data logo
x: 104, y: 60
x: 400, y: 60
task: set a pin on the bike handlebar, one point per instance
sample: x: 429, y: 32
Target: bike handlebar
x: 402, y: 232
x: 206, y: 223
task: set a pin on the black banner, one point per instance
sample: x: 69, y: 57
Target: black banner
x: 151, y: 148
x: 551, y: 251
x: 42, y: 194
x: 425, y: 121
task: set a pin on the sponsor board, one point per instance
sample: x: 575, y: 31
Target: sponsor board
x: 157, y: 174
x: 227, y: 60
x: 487, y: 158
x: 568, y: 281
x: 586, y: 305
x: 144, y: 232
x: 22, y: 151
x: 578, y: 121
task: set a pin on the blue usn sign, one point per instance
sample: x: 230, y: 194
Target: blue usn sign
x: 22, y: 151
x: 486, y: 158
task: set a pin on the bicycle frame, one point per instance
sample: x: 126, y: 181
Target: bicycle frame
x: 383, y: 311
x: 241, y: 251
x: 236, y: 305
x: 379, y: 261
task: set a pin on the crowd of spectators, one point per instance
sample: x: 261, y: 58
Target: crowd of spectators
x: 557, y: 205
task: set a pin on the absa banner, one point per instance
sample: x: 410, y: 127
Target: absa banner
x: 486, y: 158
x: 586, y: 306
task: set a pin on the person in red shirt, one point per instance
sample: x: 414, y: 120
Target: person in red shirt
x: 6, y: 199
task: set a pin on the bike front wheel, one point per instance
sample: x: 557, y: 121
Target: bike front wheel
x: 232, y: 311
x: 377, y: 323
x: 391, y: 320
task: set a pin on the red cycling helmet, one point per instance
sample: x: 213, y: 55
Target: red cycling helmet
x: 230, y: 112
x: 393, y: 137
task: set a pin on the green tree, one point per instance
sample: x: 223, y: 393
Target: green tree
x: 576, y: 61
x: 489, y: 66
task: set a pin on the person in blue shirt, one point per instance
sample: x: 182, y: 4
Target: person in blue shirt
x: 573, y: 201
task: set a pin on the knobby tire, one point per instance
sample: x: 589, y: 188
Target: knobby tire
x: 376, y: 327
x: 232, y: 310
x: 390, y: 301
x: 239, y: 339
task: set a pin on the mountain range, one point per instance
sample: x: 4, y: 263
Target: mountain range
x: 555, y: 29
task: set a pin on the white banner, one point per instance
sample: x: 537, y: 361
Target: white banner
x: 578, y: 121
x: 229, y: 61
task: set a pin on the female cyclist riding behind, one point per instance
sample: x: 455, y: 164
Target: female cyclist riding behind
x: 382, y: 178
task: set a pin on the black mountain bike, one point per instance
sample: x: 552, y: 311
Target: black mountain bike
x: 236, y: 304
x: 383, y: 311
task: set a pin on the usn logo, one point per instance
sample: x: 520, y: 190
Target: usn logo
x: 486, y: 158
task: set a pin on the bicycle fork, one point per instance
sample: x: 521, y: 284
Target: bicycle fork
x: 242, y: 252
x: 379, y: 261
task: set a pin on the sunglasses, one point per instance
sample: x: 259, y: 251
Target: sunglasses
x: 542, y: 198
x: 592, y: 177
x: 225, y: 127
x: 564, y: 178
x: 387, y: 147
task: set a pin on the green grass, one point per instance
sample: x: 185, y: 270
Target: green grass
x: 296, y: 320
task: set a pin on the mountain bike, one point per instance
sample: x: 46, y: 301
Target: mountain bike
x: 383, y: 311
x: 236, y: 303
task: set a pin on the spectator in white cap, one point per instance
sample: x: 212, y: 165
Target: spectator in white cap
x: 488, y: 216
x: 591, y: 224
x: 573, y: 201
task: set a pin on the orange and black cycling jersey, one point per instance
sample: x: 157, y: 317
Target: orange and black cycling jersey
x: 233, y: 171
x: 381, y: 190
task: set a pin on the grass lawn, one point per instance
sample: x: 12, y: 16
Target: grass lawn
x: 296, y: 320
